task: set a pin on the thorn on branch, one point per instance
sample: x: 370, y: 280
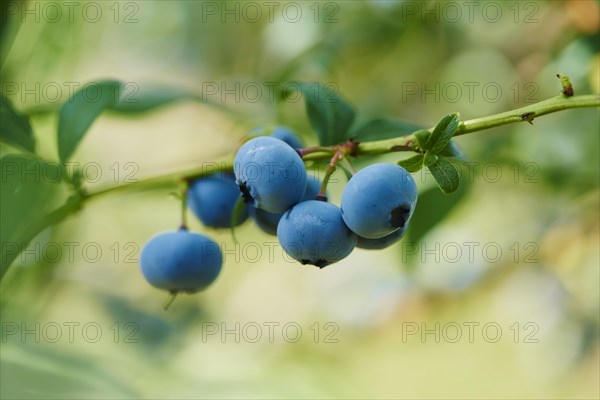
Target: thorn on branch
x: 528, y: 117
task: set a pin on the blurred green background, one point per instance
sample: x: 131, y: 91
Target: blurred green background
x: 497, y: 299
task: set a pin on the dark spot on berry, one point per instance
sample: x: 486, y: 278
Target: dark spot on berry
x: 245, y: 193
x: 399, y: 216
x: 304, y: 262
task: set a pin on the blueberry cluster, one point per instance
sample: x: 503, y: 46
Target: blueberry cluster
x: 376, y: 206
x: 283, y: 200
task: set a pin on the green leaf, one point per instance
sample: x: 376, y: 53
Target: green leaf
x: 383, y: 128
x: 422, y: 138
x: 451, y: 151
x: 446, y: 175
x: 429, y: 159
x: 137, y: 99
x: 442, y: 133
x: 432, y: 207
x: 29, y: 202
x: 412, y: 164
x: 329, y: 114
x: 80, y: 111
x: 15, y: 128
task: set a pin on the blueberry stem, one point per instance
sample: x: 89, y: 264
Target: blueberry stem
x: 316, y: 149
x: 184, y: 193
x: 349, y: 165
x: 173, y: 295
x: 331, y: 167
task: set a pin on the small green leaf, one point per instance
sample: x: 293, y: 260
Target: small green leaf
x: 137, y: 99
x: 429, y: 159
x: 15, y: 128
x: 446, y: 175
x: 442, y: 133
x: 80, y: 111
x: 238, y: 211
x: 451, y: 151
x: 383, y: 128
x: 412, y: 164
x: 422, y: 138
x: 329, y: 114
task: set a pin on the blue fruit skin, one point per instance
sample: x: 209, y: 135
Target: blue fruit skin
x: 270, y: 174
x: 381, y: 243
x: 378, y: 200
x: 212, y: 199
x: 180, y: 261
x: 280, y: 132
x: 268, y: 221
x: 313, y: 232
x: 288, y: 136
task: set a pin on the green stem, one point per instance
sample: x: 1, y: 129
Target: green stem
x: 528, y: 113
x: 184, y: 190
x: 523, y: 114
x: 402, y: 143
x: 164, y: 181
x: 331, y: 167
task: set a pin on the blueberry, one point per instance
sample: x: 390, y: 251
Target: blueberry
x: 313, y: 232
x: 270, y: 174
x: 280, y: 132
x: 212, y: 199
x: 268, y: 221
x: 287, y: 135
x: 381, y: 243
x: 378, y: 200
x: 180, y: 261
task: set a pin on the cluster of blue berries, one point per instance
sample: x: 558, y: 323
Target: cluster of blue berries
x: 283, y: 200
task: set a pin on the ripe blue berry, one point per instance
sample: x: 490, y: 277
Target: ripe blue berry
x: 381, y: 243
x: 313, y: 232
x: 268, y: 221
x: 280, y: 132
x: 212, y: 199
x: 378, y: 200
x: 180, y: 261
x: 270, y: 174
x: 287, y: 135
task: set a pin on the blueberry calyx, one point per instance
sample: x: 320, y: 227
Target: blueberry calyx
x: 399, y: 216
x: 248, y: 199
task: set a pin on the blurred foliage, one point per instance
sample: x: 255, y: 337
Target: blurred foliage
x: 533, y: 190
